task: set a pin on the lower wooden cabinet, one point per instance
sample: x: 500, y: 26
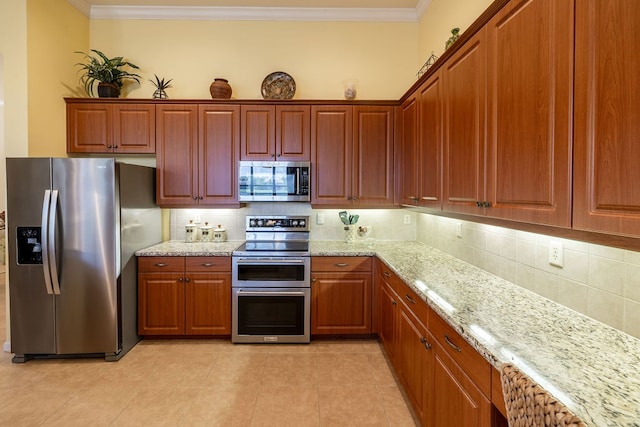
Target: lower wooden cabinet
x: 457, y: 400
x: 340, y: 295
x: 447, y: 382
x: 184, y: 296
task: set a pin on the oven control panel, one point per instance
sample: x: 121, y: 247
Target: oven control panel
x: 297, y: 223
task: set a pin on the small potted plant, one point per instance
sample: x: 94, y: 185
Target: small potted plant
x: 107, y: 72
x: 161, y: 86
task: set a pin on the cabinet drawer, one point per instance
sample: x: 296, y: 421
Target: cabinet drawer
x: 409, y: 297
x: 160, y: 264
x: 208, y: 263
x: 347, y: 263
x: 471, y: 362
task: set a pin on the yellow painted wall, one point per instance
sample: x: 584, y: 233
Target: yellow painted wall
x: 55, y: 29
x: 319, y: 55
x: 443, y: 15
x: 13, y: 47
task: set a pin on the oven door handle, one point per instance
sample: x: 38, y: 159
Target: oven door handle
x: 267, y: 293
x: 258, y: 261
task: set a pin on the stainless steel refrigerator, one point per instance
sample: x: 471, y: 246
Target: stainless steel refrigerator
x: 73, y: 226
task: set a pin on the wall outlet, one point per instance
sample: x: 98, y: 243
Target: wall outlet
x: 197, y: 218
x: 407, y: 219
x: 320, y: 219
x: 459, y: 230
x: 556, y: 254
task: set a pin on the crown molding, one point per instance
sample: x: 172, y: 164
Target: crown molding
x: 421, y: 8
x: 81, y: 5
x: 212, y: 13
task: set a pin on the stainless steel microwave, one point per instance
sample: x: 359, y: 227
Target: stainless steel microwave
x: 273, y: 181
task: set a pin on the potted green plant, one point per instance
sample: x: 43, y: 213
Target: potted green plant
x: 108, y: 72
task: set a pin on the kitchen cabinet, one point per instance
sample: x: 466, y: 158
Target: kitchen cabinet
x: 529, y: 126
x: 341, y: 295
x: 606, y: 195
x: 184, y: 296
x: 404, y: 335
x: 464, y: 91
x: 422, y: 147
x: 197, y: 154
x: 110, y: 128
x: 275, y: 132
x: 352, y: 155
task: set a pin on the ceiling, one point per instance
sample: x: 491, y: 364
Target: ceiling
x: 310, y: 10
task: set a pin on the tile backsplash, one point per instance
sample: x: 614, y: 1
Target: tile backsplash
x: 598, y: 281
x: 386, y: 224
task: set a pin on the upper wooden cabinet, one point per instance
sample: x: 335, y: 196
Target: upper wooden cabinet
x: 607, y: 113
x: 464, y: 80
x: 197, y: 153
x: 111, y: 128
x: 275, y: 132
x: 352, y: 155
x: 530, y: 91
x: 421, y: 172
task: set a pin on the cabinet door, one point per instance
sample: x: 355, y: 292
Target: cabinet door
x: 607, y: 113
x: 530, y: 88
x: 388, y: 314
x: 372, y: 169
x: 134, y: 128
x: 464, y: 80
x: 429, y: 152
x: 161, y: 304
x: 257, y: 140
x: 293, y: 132
x: 341, y: 303
x: 218, y: 154
x: 331, y: 154
x: 456, y: 400
x: 177, y: 155
x: 408, y: 152
x: 89, y: 128
x: 414, y: 359
x: 208, y: 304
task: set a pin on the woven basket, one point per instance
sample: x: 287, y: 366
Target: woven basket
x: 529, y: 405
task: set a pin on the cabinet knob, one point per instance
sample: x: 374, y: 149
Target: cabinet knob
x: 393, y: 302
x: 408, y: 298
x: 355, y: 197
x: 279, y: 154
x: 180, y: 279
x: 195, y: 197
x: 313, y: 280
x: 386, y: 274
x: 423, y: 340
x: 187, y: 280
x: 109, y: 146
x: 273, y: 154
x: 200, y: 197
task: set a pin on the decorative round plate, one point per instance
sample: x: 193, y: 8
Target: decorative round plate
x: 278, y: 85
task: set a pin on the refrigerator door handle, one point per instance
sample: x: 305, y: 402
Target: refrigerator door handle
x: 46, y: 203
x: 53, y: 259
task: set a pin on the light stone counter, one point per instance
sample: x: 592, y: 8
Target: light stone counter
x: 181, y: 248
x: 591, y: 368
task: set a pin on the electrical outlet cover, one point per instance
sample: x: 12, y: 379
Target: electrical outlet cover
x: 556, y: 254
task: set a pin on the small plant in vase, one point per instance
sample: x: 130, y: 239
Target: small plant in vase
x: 161, y: 86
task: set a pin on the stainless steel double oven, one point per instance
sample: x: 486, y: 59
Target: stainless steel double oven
x: 271, y: 291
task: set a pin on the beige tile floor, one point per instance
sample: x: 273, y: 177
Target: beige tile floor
x: 207, y: 383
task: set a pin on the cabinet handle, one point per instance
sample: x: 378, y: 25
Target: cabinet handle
x: 160, y: 264
x: 355, y: 198
x: 200, y: 197
x: 279, y: 154
x: 208, y: 264
x: 109, y: 146
x: 423, y: 340
x: 273, y: 154
x: 195, y: 197
x: 408, y: 298
x: 451, y: 344
x: 386, y: 274
x: 115, y: 146
x: 394, y: 303
x: 341, y: 264
x: 313, y: 280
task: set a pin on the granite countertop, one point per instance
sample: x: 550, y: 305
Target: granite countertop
x: 590, y: 367
x: 182, y: 248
